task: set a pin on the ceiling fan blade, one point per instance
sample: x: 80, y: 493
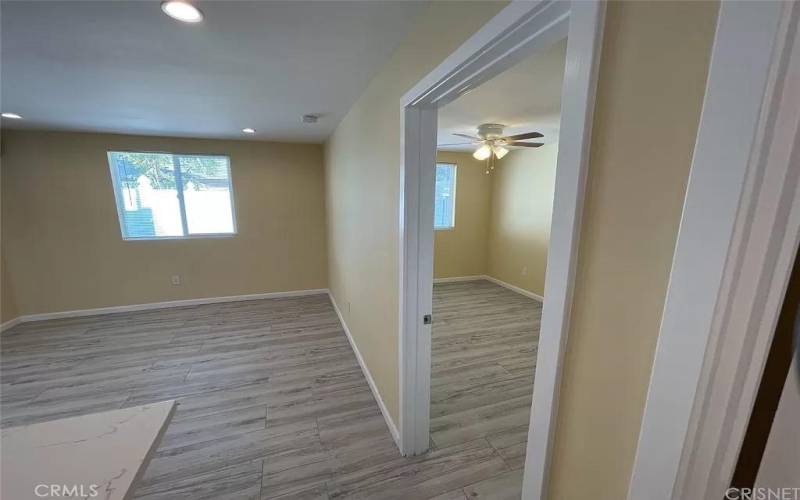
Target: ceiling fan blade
x: 469, y: 137
x: 455, y: 144
x: 527, y: 135
x: 525, y: 144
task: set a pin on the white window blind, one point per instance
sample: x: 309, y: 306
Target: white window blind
x: 165, y: 195
x: 444, y: 211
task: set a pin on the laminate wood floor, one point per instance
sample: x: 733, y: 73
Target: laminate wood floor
x: 483, y: 355
x: 271, y: 401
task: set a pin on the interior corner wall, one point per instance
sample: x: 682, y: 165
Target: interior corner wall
x: 362, y: 186
x: 462, y: 250
x: 523, y: 185
x: 61, y: 239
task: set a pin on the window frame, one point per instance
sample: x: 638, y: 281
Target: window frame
x: 181, y: 203
x: 452, y: 225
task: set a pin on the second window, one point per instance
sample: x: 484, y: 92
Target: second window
x: 444, y: 210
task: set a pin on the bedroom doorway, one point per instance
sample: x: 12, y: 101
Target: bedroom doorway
x: 519, y: 31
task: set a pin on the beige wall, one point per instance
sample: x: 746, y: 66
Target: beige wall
x: 651, y: 84
x: 61, y: 237
x: 522, y: 207
x: 363, y: 183
x: 462, y: 251
x: 502, y: 220
x: 650, y: 92
x: 8, y: 303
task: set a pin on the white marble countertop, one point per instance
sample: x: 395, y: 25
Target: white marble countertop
x: 100, y: 455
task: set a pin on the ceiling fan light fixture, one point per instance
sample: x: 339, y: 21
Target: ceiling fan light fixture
x: 482, y: 153
x: 499, y: 151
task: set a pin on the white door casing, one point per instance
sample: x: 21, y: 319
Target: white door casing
x: 736, y: 245
x: 521, y: 29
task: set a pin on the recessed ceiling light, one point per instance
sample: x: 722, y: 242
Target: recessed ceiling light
x: 13, y: 116
x: 182, y: 11
x: 249, y: 130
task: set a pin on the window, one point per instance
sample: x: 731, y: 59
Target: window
x: 444, y: 210
x: 163, y: 195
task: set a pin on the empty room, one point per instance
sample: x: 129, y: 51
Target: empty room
x: 397, y: 249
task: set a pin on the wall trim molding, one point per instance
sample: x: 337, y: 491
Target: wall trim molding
x: 514, y: 288
x: 158, y: 305
x: 456, y: 279
x: 372, y: 385
x: 479, y: 277
x: 12, y: 322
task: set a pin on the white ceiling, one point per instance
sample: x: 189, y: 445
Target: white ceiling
x: 526, y: 98
x: 125, y: 67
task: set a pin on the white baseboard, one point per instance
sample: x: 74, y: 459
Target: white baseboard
x: 386, y: 416
x: 456, y: 279
x: 477, y: 277
x: 160, y: 305
x: 12, y: 322
x: 513, y: 288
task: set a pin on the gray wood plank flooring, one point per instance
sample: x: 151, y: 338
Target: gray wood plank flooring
x: 272, y: 403
x: 483, y: 354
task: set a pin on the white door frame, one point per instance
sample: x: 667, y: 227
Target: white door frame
x: 519, y: 30
x: 736, y: 245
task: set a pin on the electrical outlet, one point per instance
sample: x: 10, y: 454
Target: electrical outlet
x: 176, y: 280
x: 524, y: 271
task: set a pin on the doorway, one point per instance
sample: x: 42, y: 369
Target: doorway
x: 492, y: 219
x: 517, y: 32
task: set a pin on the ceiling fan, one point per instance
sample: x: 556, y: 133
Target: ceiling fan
x: 493, y: 144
